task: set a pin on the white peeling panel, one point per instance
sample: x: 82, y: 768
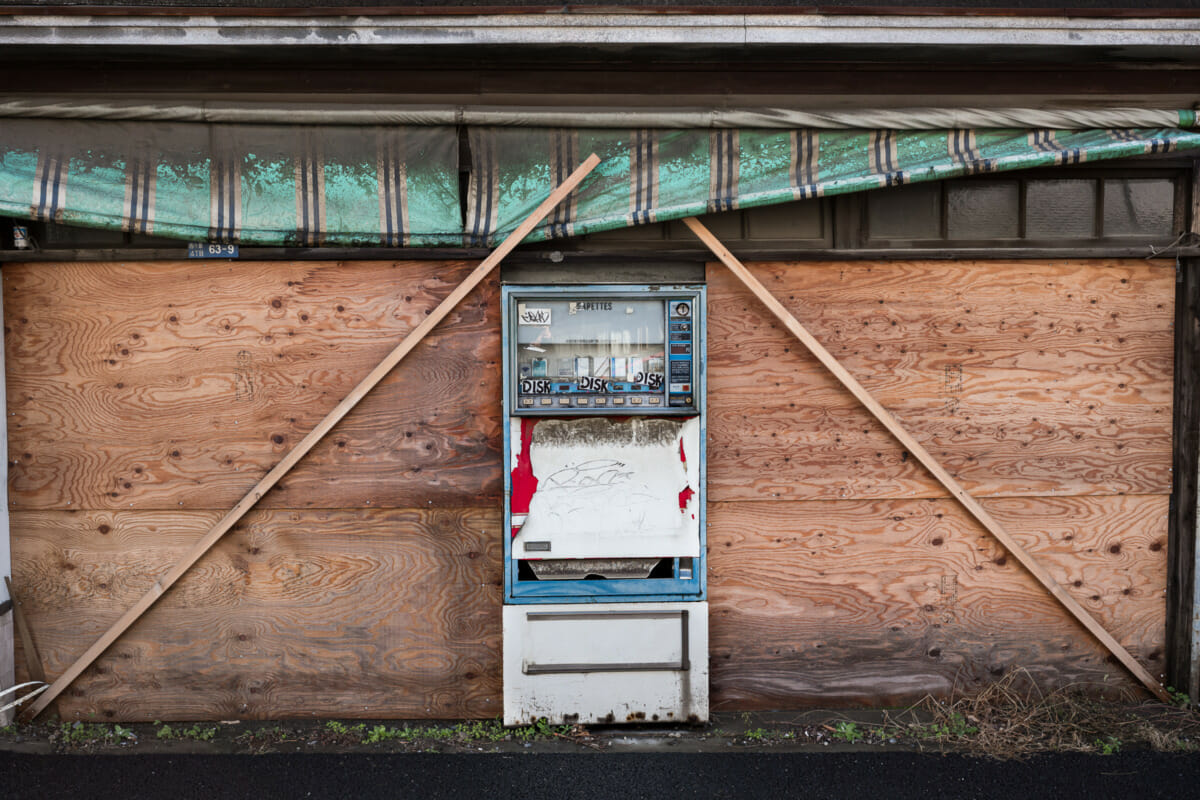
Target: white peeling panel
x: 615, y: 489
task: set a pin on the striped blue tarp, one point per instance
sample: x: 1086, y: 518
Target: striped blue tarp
x: 655, y: 175
x: 255, y: 184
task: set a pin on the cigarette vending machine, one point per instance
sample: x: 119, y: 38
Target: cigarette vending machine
x: 605, y: 612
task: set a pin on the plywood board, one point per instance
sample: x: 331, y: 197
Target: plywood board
x: 1023, y: 378
x: 364, y: 613
x: 176, y: 385
x: 884, y: 601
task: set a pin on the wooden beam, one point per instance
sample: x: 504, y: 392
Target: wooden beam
x: 306, y: 444
x: 1183, y: 556
x: 33, y: 660
x: 927, y: 460
x: 1183, y: 635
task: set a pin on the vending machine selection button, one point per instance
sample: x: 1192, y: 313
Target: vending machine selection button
x: 654, y: 401
x: 526, y: 401
x: 564, y: 401
x: 583, y: 401
x: 618, y: 401
x: 601, y: 401
x: 546, y: 401
x: 637, y: 401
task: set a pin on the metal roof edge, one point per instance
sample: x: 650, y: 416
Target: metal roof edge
x: 250, y: 10
x: 598, y: 29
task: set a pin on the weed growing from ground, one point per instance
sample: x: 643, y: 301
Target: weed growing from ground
x: 195, y: 733
x: 382, y: 733
x: 1179, y: 698
x: 847, y: 732
x: 87, y: 734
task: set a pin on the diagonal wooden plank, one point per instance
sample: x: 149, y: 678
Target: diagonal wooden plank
x: 927, y: 460
x: 33, y: 659
x: 304, y: 445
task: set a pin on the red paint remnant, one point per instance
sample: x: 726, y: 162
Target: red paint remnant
x: 686, y: 495
x: 524, y: 483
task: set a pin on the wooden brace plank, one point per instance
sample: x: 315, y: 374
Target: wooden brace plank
x: 33, y: 659
x: 927, y: 460
x: 306, y: 444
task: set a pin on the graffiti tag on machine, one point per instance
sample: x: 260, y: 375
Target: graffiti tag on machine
x: 600, y: 473
x: 532, y: 316
x: 532, y: 386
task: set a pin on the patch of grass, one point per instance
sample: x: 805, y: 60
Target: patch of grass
x: 382, y: 733
x: 757, y: 735
x: 346, y: 733
x: 195, y: 733
x: 481, y: 730
x: 1179, y: 698
x: 1108, y: 745
x: 541, y: 729
x: 952, y: 726
x: 847, y: 732
x: 88, y: 734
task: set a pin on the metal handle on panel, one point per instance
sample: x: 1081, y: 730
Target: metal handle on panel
x: 682, y: 665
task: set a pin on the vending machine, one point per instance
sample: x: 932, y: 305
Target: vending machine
x: 605, y: 612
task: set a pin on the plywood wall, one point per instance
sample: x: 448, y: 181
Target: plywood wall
x: 144, y: 399
x: 840, y: 572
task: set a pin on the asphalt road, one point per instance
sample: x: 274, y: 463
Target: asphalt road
x: 862, y: 776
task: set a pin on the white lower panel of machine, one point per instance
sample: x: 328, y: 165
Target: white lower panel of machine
x: 606, y: 662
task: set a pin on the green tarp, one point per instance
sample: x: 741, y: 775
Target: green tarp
x: 255, y: 184
x: 655, y: 175
x: 370, y: 186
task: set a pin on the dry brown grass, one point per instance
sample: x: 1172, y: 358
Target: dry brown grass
x: 1012, y: 718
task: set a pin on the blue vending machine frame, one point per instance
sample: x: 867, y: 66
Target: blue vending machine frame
x: 680, y: 586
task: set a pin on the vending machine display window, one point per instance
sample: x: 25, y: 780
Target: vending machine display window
x: 579, y: 352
